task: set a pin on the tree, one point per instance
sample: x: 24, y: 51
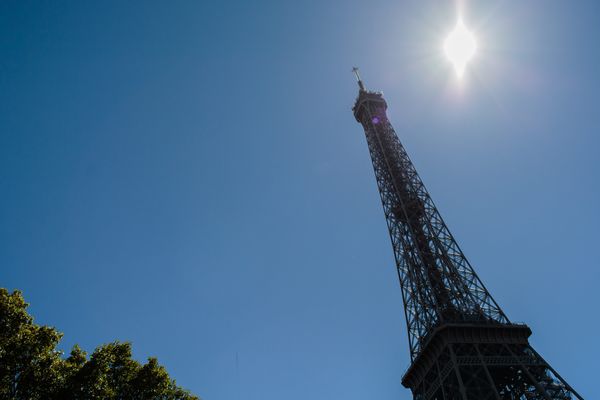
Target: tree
x: 32, y: 368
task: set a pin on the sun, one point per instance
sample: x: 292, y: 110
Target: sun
x: 460, y: 46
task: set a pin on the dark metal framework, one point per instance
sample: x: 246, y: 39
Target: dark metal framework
x: 462, y: 345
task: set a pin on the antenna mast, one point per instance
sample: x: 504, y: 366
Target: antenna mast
x: 360, y: 82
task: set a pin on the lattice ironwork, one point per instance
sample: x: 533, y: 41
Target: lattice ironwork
x: 440, y: 289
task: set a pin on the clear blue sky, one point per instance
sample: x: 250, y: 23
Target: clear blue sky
x: 188, y: 175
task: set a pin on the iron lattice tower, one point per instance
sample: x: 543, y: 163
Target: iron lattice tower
x: 462, y: 345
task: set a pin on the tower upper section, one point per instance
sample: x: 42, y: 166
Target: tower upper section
x: 438, y: 283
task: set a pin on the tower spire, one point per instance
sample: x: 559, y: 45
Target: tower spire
x: 360, y: 82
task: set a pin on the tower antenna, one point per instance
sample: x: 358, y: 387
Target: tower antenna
x: 360, y: 82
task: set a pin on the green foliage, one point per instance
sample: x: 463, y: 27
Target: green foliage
x: 31, y: 367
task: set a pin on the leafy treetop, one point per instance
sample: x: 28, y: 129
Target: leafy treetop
x: 32, y: 368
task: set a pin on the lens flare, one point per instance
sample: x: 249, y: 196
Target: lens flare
x: 460, y: 46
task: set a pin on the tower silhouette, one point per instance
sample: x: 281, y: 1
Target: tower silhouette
x: 462, y: 345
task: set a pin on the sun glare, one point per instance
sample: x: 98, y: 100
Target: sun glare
x: 460, y: 47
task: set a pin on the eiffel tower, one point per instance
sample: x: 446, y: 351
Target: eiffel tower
x: 462, y: 345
